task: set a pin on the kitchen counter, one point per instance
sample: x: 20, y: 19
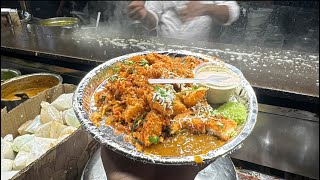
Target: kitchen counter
x: 273, y: 72
x: 283, y: 138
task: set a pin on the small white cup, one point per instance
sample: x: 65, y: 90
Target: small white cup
x: 218, y: 94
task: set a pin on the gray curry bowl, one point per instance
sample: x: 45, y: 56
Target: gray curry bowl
x: 83, y: 107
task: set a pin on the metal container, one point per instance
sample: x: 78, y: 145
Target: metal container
x: 84, y: 106
x: 36, y: 80
x: 7, y: 74
x: 57, y: 26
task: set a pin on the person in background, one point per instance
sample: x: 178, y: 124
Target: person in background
x: 190, y: 20
x: 65, y: 7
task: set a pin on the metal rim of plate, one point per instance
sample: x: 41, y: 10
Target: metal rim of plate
x: 113, y: 143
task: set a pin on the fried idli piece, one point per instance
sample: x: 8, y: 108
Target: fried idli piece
x: 135, y: 107
x: 155, y: 105
x: 154, y: 57
x: 221, y: 127
x: 177, y: 123
x: 152, y: 128
x: 178, y: 107
x: 158, y: 68
x: 196, y: 126
x: 186, y: 121
x: 150, y: 131
x: 191, y: 98
x: 136, y: 58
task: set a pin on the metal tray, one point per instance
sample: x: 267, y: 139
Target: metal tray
x: 83, y: 106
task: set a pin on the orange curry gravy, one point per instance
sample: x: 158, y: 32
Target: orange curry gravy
x: 185, y: 144
x: 30, y: 92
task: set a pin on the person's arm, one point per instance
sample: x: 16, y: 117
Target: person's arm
x: 149, y: 21
x: 138, y: 11
x: 225, y: 12
x: 218, y: 12
x: 59, y: 10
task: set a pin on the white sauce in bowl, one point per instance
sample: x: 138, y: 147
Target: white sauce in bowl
x: 231, y: 80
x: 221, y: 92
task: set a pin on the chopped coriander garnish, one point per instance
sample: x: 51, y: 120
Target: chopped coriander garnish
x: 195, y: 87
x: 143, y: 62
x: 137, y: 122
x: 128, y: 62
x: 156, y: 88
x: 154, y: 139
x: 220, y: 125
x: 233, y: 133
x: 113, y: 78
x: 116, y: 69
x: 131, y: 70
x: 103, y: 97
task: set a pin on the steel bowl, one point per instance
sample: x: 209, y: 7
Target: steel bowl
x: 12, y: 73
x: 57, y: 26
x: 84, y: 106
x: 25, y: 82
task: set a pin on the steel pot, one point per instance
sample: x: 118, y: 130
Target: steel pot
x: 20, y: 83
x: 7, y: 74
x: 57, y: 26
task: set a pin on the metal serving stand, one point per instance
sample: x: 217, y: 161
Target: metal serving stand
x: 222, y: 168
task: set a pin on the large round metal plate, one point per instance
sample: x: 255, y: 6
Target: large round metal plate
x: 82, y: 104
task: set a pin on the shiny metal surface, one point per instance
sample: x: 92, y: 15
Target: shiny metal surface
x: 221, y: 169
x: 84, y: 107
x: 283, y: 73
x: 283, y: 140
x: 25, y: 82
x: 94, y: 169
x: 48, y: 27
x: 54, y: 22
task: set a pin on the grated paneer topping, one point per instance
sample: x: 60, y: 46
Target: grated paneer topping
x: 164, y: 95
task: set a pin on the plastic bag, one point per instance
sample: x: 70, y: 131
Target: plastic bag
x: 63, y: 102
x: 8, y: 137
x: 20, y: 161
x: 34, y: 125
x: 70, y: 118
x: 19, y: 141
x: 67, y: 131
x: 50, y: 130
x: 49, y: 113
x: 38, y: 144
x: 6, y: 150
x: 22, y: 128
x: 8, y: 175
x: 37, y: 148
x: 6, y: 165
